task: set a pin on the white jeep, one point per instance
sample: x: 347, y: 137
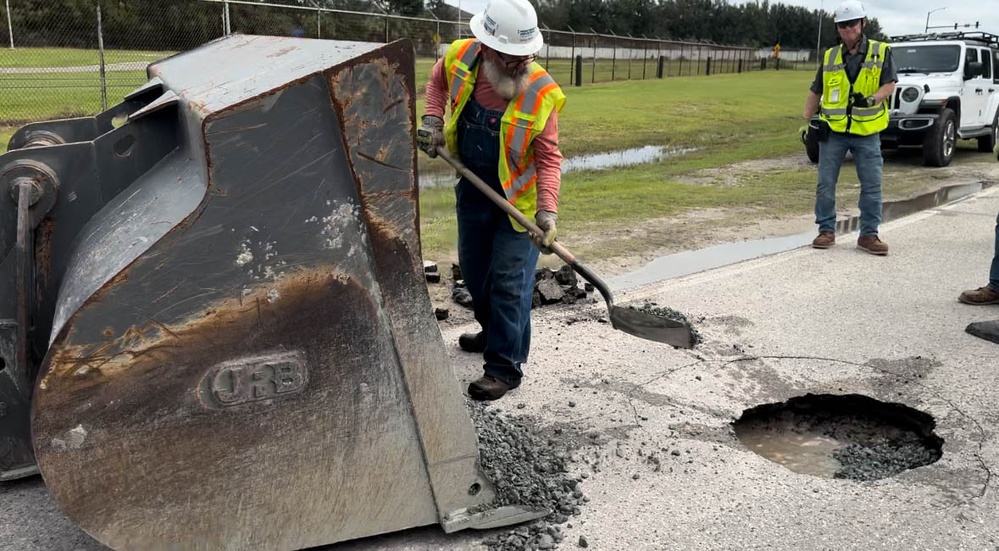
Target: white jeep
x: 948, y: 89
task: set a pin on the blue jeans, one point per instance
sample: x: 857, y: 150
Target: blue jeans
x: 497, y: 262
x: 994, y: 271
x: 867, y: 156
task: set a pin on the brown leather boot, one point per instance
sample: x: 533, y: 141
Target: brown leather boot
x: 980, y: 296
x: 873, y: 245
x: 487, y: 388
x: 825, y: 240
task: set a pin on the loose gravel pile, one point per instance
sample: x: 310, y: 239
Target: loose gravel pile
x: 527, y: 468
x: 875, y: 451
x: 670, y: 314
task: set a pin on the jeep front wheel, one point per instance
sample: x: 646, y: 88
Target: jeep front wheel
x: 938, y: 148
x: 987, y: 143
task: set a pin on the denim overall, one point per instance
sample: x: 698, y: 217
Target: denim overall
x: 497, y: 261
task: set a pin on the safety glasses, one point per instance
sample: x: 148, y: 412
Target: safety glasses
x: 514, y: 61
x: 848, y: 24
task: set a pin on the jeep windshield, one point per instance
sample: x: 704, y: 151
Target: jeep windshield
x: 940, y: 58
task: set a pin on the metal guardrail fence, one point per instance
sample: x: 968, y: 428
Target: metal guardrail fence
x: 62, y: 63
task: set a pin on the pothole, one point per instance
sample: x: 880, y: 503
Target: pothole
x: 841, y: 436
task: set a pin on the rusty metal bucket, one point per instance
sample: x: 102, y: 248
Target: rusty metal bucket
x: 228, y: 316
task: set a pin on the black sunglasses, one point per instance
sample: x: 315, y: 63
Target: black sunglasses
x: 848, y: 24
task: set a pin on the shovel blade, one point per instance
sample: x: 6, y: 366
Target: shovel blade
x: 651, y: 327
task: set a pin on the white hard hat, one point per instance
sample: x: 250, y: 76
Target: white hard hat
x: 508, y: 26
x: 849, y: 10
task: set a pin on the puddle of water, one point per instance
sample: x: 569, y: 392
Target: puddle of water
x: 784, y: 442
x: 626, y: 157
x: 692, y: 262
x: 849, y: 436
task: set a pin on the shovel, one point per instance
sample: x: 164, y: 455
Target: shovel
x: 645, y: 325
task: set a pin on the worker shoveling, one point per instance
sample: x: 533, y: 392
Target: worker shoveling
x: 220, y: 327
x: 654, y: 324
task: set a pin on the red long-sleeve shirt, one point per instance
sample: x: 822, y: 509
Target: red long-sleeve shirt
x: 547, y: 157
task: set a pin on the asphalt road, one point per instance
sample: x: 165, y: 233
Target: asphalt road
x: 804, y: 321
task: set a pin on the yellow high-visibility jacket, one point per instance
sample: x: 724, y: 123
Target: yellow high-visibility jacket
x: 836, y: 91
x: 524, y: 119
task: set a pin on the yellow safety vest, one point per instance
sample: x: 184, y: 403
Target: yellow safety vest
x: 524, y: 119
x: 836, y: 90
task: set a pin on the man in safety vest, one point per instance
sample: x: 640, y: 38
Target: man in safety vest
x: 504, y: 127
x: 853, y: 84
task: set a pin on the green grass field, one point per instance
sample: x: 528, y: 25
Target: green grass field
x: 27, y: 97
x: 725, y: 118
x: 71, y: 57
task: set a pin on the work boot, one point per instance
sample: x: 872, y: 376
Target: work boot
x: 487, y: 388
x: 873, y: 245
x: 825, y: 240
x: 473, y: 342
x: 980, y: 296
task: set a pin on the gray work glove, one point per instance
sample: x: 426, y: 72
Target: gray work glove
x: 546, y: 221
x: 860, y: 101
x: 430, y: 135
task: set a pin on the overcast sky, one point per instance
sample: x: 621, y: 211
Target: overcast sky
x: 896, y: 16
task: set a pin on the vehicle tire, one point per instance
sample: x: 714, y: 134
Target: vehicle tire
x: 987, y: 143
x: 812, y: 145
x: 938, y: 147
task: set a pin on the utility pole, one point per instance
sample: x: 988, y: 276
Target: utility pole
x: 927, y: 28
x: 818, y: 41
x: 10, y: 27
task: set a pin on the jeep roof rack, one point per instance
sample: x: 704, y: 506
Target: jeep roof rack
x: 977, y: 36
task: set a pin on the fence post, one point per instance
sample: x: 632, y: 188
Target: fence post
x: 579, y: 70
x: 386, y: 28
x: 10, y: 27
x: 573, y: 59
x: 593, y: 70
x: 226, y: 20
x: 628, y: 52
x: 319, y: 23
x: 645, y: 55
x: 740, y: 65
x: 548, y: 48
x: 707, y: 69
x: 613, y: 57
x: 100, y: 49
x: 659, y: 69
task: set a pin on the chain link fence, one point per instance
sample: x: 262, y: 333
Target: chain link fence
x: 58, y: 62
x: 69, y: 59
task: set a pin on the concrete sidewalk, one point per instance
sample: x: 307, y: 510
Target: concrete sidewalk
x: 806, y: 321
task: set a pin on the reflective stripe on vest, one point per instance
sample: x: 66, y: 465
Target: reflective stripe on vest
x: 837, y: 110
x: 521, y: 132
x: 524, y: 119
x: 461, y: 71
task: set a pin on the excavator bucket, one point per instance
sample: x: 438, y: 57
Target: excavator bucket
x: 219, y: 303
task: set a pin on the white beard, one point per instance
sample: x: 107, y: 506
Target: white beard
x: 508, y: 87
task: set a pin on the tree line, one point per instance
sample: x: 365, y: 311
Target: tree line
x: 184, y: 24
